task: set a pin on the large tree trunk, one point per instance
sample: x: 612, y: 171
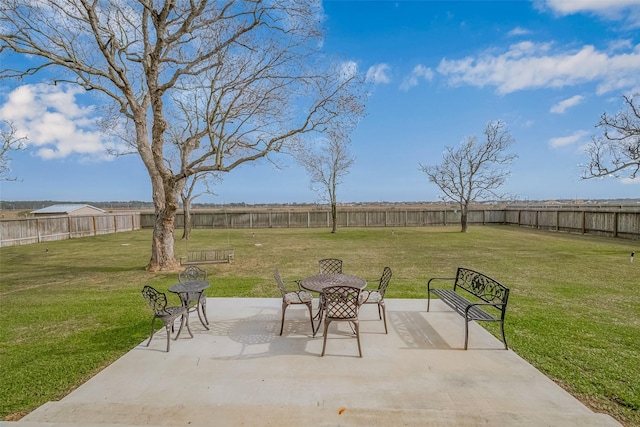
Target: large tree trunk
x: 162, y: 253
x: 464, y: 210
x: 165, y: 200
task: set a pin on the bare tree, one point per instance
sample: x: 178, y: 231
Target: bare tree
x: 326, y: 166
x: 617, y: 152
x: 475, y: 170
x: 189, y: 194
x: 10, y: 142
x: 251, y: 70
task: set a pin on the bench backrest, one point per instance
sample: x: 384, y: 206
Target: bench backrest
x: 483, y: 287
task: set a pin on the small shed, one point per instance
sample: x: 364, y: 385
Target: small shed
x: 70, y: 210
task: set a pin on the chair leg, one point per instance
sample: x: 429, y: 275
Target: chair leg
x: 384, y: 316
x: 168, y: 336
x: 357, y: 327
x: 284, y: 308
x: 152, y: 329
x: 311, y: 315
x: 181, y: 325
x: 319, y: 316
x: 324, y: 342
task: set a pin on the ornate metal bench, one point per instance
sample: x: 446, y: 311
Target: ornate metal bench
x: 486, y: 295
x: 208, y: 256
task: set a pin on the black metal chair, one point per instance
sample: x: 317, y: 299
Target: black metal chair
x: 376, y: 296
x: 341, y: 304
x: 157, y: 302
x: 330, y: 266
x: 292, y: 298
x: 198, y: 299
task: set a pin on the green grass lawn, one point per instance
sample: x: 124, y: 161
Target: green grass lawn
x: 72, y: 307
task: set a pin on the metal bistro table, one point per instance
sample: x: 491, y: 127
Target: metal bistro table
x: 184, y: 289
x: 318, y: 282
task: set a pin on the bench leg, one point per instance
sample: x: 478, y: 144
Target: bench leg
x: 504, y: 338
x: 466, y: 333
x: 428, y: 300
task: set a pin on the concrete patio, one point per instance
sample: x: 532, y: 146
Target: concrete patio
x: 242, y: 373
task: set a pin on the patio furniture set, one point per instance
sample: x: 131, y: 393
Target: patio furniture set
x: 192, y: 282
x: 340, y: 297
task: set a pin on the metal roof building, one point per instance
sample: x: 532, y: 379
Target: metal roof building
x: 70, y: 209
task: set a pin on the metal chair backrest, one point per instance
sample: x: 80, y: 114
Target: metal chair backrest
x: 330, y: 266
x: 156, y: 300
x: 281, y: 286
x: 384, y: 281
x: 192, y: 273
x: 341, y: 302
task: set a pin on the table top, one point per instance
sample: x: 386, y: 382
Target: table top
x: 320, y: 281
x: 190, y: 286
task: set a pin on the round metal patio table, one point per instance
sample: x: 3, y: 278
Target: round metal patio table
x: 318, y: 282
x: 183, y: 289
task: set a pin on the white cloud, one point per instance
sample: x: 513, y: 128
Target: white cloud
x: 418, y: 72
x: 562, y: 106
x: 562, y: 141
x: 528, y: 65
x: 378, y: 73
x: 604, y: 7
x: 623, y: 10
x: 518, y: 31
x: 636, y: 180
x: 55, y: 125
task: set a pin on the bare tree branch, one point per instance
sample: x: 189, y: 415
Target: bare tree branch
x: 10, y: 142
x: 617, y: 152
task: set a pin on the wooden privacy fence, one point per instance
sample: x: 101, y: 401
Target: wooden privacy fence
x: 613, y: 223
x: 14, y: 232
x: 625, y: 224
x: 318, y: 219
x: 605, y: 222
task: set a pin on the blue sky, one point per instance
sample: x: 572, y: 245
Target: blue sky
x: 438, y: 72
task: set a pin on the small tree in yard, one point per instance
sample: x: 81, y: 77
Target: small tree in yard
x: 326, y: 166
x: 189, y: 194
x: 474, y: 170
x: 617, y: 152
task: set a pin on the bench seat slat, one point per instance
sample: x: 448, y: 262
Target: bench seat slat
x: 460, y: 304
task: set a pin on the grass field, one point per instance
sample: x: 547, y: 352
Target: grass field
x: 70, y: 308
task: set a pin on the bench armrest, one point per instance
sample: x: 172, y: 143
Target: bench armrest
x: 498, y: 305
x: 438, y: 278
